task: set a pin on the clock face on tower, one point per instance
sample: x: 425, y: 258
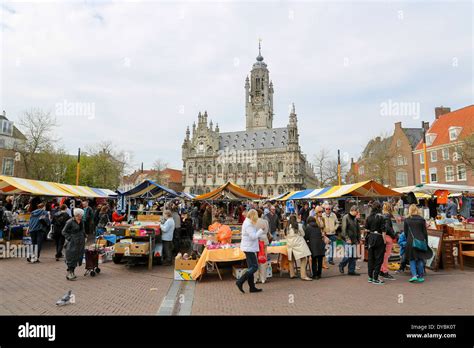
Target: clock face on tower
x: 258, y: 99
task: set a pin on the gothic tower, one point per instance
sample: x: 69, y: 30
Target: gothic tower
x: 259, y: 96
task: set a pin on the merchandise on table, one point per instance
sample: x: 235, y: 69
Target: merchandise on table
x: 278, y: 243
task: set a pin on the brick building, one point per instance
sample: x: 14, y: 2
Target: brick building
x: 445, y: 142
x: 10, y: 138
x: 403, y: 142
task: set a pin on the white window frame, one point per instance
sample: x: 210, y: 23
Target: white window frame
x: 430, y: 138
x: 457, y: 172
x: 422, y: 173
x: 454, y: 133
x: 445, y: 153
x: 399, y: 181
x: 4, y: 161
x: 399, y: 142
x: 435, y: 153
x: 361, y: 170
x: 448, y: 179
x: 435, y: 172
x: 6, y: 128
x: 400, y: 160
x: 422, y: 158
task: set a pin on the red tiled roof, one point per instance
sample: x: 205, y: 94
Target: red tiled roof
x: 460, y: 118
x: 175, y: 175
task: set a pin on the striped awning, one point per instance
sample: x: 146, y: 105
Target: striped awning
x: 368, y: 188
x: 298, y: 194
x: 228, y: 191
x: 276, y: 198
x: 12, y: 185
x: 84, y: 191
x: 150, y: 190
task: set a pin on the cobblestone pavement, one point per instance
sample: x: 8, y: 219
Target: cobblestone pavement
x: 443, y: 293
x: 33, y: 289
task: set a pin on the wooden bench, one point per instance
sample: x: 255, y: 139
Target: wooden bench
x: 468, y: 253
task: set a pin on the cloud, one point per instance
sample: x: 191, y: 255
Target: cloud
x: 142, y: 63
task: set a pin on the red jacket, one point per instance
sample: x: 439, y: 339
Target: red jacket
x: 116, y: 217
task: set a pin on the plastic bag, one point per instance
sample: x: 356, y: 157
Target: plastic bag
x: 262, y: 257
x: 224, y: 234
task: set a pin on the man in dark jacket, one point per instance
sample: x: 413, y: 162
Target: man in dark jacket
x: 75, y: 237
x: 350, y: 233
x: 88, y: 217
x: 273, y: 221
x: 38, y: 228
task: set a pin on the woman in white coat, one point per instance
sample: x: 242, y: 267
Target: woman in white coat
x: 297, y: 247
x: 249, y: 245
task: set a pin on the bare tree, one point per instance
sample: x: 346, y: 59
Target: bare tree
x: 159, y: 165
x: 326, y: 168
x: 466, y: 152
x: 38, y: 128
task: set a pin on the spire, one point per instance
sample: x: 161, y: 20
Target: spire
x: 194, y: 127
x: 187, y: 133
x: 293, y: 108
x: 259, y: 57
x: 217, y: 127
x: 199, y: 118
x: 211, y: 124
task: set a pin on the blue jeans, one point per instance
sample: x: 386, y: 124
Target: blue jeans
x: 332, y: 246
x: 274, y: 235
x: 350, y: 257
x: 417, y: 268
x: 252, y: 267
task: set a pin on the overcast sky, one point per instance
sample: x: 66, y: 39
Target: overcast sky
x: 147, y: 68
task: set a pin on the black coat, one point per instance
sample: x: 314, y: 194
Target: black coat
x: 415, y: 226
x: 75, y: 236
x: 314, y: 238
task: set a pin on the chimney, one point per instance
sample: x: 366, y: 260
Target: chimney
x: 4, y: 113
x: 441, y: 110
x: 398, y: 125
x: 426, y: 125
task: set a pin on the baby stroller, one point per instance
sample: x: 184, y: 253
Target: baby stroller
x: 92, y: 261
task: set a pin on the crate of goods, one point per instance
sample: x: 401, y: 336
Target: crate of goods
x: 140, y: 248
x: 183, y: 269
x: 120, y: 231
x: 122, y: 247
x: 461, y: 234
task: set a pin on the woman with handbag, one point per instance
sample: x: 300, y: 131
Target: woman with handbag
x: 417, y: 250
x: 297, y: 247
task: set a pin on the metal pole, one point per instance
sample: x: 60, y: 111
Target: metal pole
x: 78, y: 168
x: 425, y: 154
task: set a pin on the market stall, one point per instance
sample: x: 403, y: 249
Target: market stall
x: 228, y: 192
x: 140, y: 240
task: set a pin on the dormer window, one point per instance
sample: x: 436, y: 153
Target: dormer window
x: 7, y: 127
x: 430, y: 138
x: 454, y: 133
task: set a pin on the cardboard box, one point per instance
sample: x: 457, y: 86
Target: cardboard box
x: 238, y: 271
x: 188, y: 265
x: 140, y: 248
x: 183, y: 269
x: 181, y: 274
x: 122, y: 248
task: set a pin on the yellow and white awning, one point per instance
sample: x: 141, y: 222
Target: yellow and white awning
x: 11, y: 185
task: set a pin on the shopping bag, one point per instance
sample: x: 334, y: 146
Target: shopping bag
x: 262, y: 258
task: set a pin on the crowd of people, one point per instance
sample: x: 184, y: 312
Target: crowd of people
x: 312, y: 232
